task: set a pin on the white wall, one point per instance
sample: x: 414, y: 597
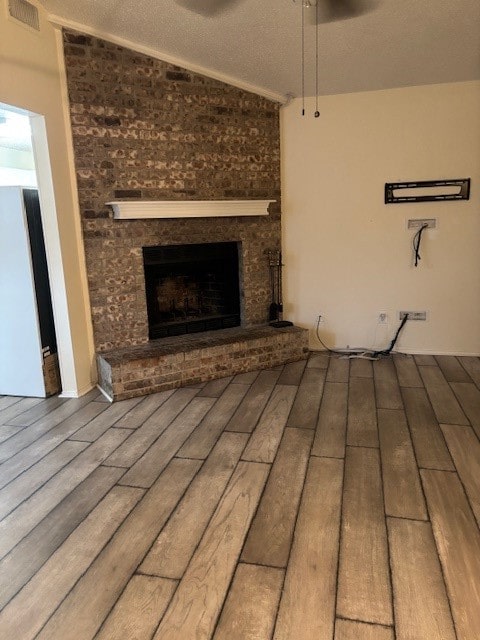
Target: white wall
x: 31, y: 79
x: 19, y: 177
x: 17, y: 166
x: 16, y: 159
x: 348, y: 255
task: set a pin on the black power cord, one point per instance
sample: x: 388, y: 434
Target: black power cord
x: 417, y: 238
x: 388, y: 351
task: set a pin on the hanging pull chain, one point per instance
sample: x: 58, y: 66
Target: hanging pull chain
x: 303, y: 58
x: 307, y: 4
x: 317, y: 112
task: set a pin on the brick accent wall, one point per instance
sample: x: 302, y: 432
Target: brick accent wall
x: 143, y: 128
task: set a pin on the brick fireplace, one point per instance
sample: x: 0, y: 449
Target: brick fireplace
x: 144, y: 129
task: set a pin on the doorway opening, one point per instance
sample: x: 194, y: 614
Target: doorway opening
x: 28, y: 344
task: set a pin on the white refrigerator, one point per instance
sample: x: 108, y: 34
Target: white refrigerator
x: 21, y: 351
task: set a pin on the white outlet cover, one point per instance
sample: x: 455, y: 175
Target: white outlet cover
x: 400, y: 316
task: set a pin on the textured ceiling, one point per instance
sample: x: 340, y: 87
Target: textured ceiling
x: 15, y: 131
x: 400, y: 43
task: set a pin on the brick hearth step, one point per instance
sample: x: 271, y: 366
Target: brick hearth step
x: 189, y: 359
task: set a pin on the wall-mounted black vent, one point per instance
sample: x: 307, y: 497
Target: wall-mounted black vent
x: 24, y: 12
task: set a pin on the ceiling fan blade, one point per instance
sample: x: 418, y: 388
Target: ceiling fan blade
x: 335, y: 10
x: 207, y: 8
x: 342, y: 9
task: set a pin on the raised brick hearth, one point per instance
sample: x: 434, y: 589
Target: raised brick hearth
x: 173, y: 362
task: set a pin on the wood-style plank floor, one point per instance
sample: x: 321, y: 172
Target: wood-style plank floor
x: 332, y: 499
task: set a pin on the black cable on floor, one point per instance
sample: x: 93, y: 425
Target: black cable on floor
x: 388, y: 351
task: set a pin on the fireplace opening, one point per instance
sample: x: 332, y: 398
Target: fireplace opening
x: 191, y: 288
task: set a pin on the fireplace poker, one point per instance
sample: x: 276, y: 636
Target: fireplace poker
x: 273, y: 310
x: 278, y: 300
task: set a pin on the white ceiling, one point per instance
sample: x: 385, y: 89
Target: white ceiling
x: 400, y: 43
x: 15, y: 132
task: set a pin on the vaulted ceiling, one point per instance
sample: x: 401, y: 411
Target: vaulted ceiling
x: 396, y: 43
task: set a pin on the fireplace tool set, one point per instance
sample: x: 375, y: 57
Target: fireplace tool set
x: 275, y: 314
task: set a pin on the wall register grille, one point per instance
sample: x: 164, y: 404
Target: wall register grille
x: 24, y: 12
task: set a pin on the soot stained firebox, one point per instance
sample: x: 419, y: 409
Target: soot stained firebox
x: 191, y: 288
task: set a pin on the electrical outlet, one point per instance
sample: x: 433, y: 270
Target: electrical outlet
x: 382, y: 317
x: 416, y: 223
x: 413, y: 315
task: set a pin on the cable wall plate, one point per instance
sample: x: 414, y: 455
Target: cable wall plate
x: 417, y: 223
x: 427, y: 191
x: 413, y: 315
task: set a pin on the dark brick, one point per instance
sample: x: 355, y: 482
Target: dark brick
x: 75, y: 38
x: 112, y: 121
x: 127, y: 193
x: 179, y: 76
x: 74, y: 50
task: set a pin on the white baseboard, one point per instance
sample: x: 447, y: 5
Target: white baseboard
x: 78, y: 393
x: 438, y: 352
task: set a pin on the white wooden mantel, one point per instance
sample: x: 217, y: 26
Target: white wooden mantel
x: 141, y: 209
